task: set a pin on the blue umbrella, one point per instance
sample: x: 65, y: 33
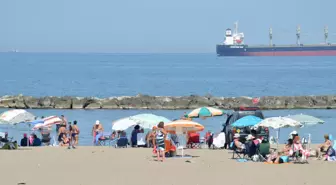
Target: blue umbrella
x: 246, y: 121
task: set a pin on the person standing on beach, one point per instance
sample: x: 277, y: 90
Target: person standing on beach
x: 74, y: 134
x: 97, y: 132
x: 159, y: 141
x: 64, y: 122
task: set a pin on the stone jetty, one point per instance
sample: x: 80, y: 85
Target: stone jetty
x: 167, y: 102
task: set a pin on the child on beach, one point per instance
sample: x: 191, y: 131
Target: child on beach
x: 159, y: 141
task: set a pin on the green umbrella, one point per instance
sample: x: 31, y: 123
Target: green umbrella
x: 306, y: 119
x: 205, y: 112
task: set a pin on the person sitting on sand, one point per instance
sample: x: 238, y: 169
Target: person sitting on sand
x: 24, y: 141
x: 134, y: 135
x: 297, y: 149
x: 36, y: 141
x: 97, y: 132
x: 65, y: 141
x: 159, y: 141
x: 239, y: 145
x: 61, y: 131
x: 322, y: 148
x: 287, y: 147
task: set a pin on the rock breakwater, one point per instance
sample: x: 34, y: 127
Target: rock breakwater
x: 167, y: 102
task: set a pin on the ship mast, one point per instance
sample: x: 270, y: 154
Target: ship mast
x: 326, y: 34
x: 271, y: 36
x: 298, y: 34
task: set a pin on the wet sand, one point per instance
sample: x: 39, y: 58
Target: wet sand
x: 107, y: 165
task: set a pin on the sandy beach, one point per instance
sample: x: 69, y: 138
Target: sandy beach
x: 131, y: 166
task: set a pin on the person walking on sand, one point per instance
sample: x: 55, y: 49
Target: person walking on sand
x: 97, y: 132
x: 159, y: 141
x: 74, y: 134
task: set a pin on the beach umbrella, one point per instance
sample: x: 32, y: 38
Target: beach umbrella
x: 277, y: 123
x: 205, y: 112
x: 181, y: 127
x: 146, y: 121
x: 16, y: 116
x: 184, y: 126
x: 149, y: 119
x: 306, y: 120
x: 246, y: 121
x: 46, y: 122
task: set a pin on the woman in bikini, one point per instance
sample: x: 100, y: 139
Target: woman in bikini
x: 65, y: 141
x: 323, y: 148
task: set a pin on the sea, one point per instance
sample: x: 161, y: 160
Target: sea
x: 106, y: 75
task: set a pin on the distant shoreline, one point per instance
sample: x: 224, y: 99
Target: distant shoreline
x: 167, y: 102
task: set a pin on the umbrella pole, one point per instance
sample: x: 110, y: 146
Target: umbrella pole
x: 278, y: 133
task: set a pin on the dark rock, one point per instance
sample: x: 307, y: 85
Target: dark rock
x: 92, y: 103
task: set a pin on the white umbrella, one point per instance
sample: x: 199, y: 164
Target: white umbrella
x: 146, y: 121
x: 123, y: 124
x: 277, y: 123
x: 16, y: 116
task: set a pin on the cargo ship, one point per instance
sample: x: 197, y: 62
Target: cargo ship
x: 233, y: 45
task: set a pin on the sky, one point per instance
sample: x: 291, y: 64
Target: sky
x: 156, y: 26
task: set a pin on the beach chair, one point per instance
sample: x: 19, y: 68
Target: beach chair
x: 122, y: 142
x: 194, y: 141
x: 170, y: 148
x: 299, y: 155
x: 106, y: 139
x: 263, y: 150
x: 240, y: 154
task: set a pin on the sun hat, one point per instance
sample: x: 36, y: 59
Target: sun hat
x: 97, y: 122
x: 249, y: 137
x: 236, y: 135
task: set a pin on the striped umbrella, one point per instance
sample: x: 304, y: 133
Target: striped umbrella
x: 179, y: 126
x: 205, y: 112
x: 47, y: 122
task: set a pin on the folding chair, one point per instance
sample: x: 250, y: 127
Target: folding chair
x: 194, y: 141
x: 122, y: 142
x: 240, y: 154
x: 105, y: 139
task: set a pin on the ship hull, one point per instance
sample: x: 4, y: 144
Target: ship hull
x: 245, y: 50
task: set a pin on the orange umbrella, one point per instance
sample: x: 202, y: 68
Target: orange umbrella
x: 183, y: 126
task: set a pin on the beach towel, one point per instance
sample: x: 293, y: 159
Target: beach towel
x: 141, y: 139
x: 219, y: 140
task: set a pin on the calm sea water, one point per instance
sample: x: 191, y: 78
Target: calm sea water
x: 105, y: 75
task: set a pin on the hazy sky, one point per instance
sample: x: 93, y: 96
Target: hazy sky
x: 156, y: 25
